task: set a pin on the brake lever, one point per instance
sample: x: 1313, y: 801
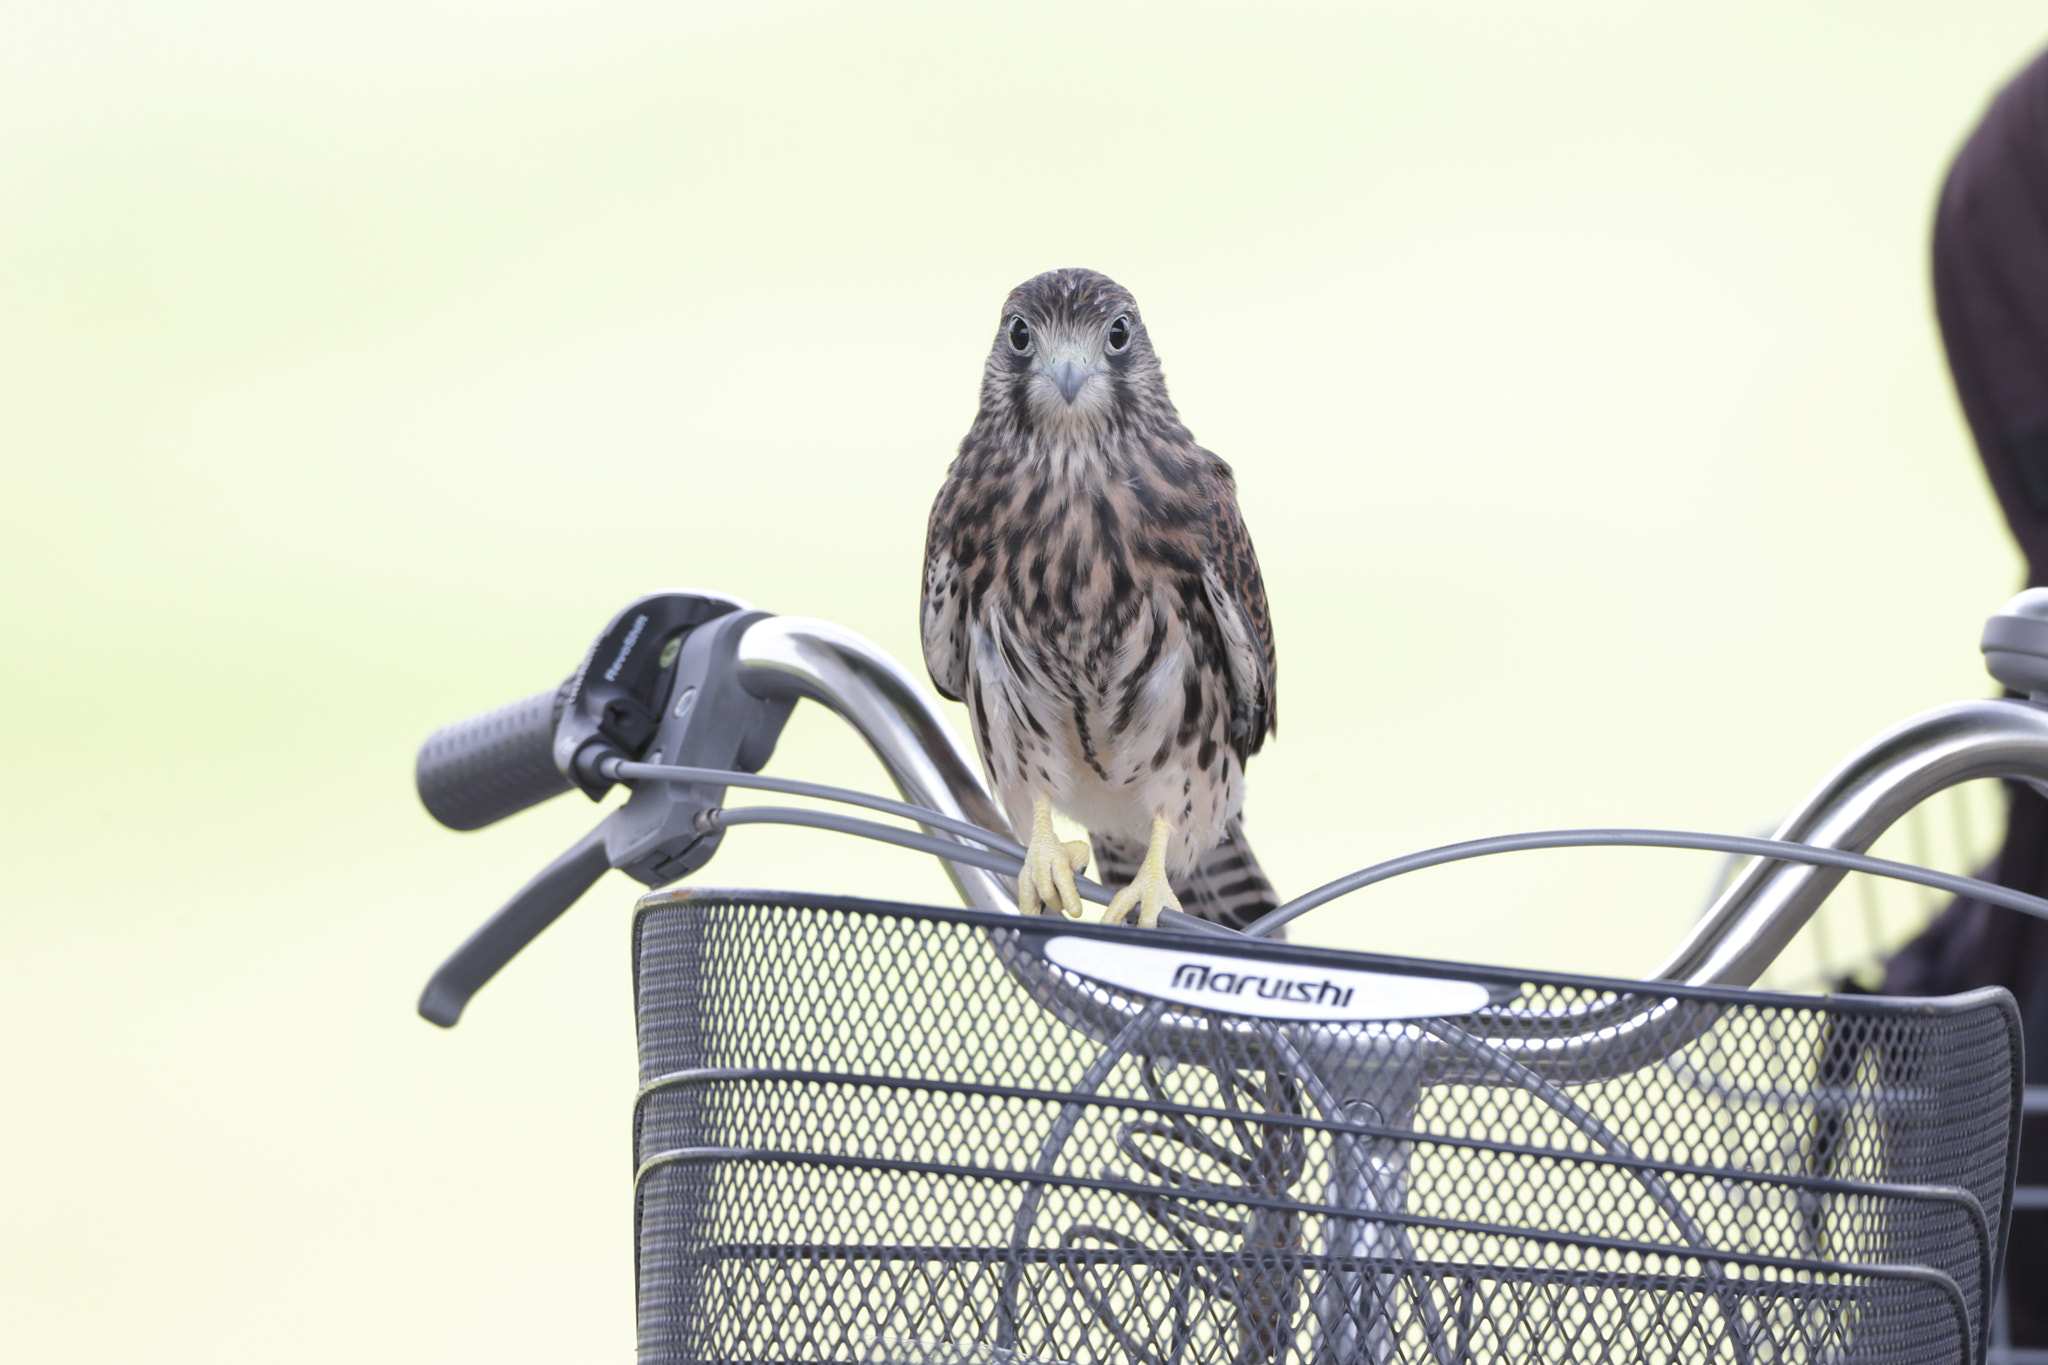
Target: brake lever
x: 705, y: 720
x: 538, y: 904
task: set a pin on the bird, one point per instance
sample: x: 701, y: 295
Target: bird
x: 1092, y: 595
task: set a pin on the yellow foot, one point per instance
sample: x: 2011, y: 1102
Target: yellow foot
x: 1149, y: 891
x: 1049, y: 867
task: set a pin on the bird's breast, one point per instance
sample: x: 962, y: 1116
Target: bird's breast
x: 1115, y: 721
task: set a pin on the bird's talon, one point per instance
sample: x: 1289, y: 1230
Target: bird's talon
x: 1149, y: 891
x: 1046, y: 880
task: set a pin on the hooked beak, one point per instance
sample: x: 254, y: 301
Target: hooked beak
x: 1070, y: 376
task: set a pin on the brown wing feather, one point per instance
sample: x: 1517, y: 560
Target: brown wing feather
x: 942, y: 618
x: 1229, y: 555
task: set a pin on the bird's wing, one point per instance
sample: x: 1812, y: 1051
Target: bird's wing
x: 942, y: 615
x: 1236, y: 593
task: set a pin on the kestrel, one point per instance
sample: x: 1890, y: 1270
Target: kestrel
x: 1091, y: 593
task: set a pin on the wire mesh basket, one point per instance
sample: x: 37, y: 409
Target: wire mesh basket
x: 881, y: 1133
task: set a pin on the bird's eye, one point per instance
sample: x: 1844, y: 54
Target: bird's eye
x: 1020, y: 336
x: 1119, y: 333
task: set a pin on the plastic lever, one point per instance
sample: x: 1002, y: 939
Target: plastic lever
x: 539, y: 903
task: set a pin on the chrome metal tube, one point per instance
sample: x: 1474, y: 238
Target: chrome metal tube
x: 1771, y: 900
x: 793, y: 656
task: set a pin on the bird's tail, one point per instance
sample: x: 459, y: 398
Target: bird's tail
x: 1227, y: 886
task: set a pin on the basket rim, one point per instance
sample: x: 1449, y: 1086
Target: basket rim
x: 1964, y: 1002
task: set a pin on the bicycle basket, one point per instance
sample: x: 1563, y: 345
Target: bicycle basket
x: 883, y: 1133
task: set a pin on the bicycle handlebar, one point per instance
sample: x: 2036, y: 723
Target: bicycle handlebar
x: 728, y: 676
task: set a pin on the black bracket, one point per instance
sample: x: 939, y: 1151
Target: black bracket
x: 661, y: 684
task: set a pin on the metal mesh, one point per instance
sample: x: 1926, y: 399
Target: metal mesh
x: 885, y: 1133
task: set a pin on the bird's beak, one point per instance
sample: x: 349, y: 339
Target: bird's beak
x: 1070, y: 376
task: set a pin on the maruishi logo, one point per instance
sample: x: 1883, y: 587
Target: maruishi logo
x: 1263, y: 987
x: 1196, y: 976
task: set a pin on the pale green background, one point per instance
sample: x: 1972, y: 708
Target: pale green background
x: 357, y: 360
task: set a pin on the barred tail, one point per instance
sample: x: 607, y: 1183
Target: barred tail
x: 1226, y: 887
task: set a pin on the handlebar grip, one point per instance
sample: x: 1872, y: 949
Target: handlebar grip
x: 487, y: 767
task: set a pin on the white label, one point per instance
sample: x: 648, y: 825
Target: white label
x: 1263, y: 988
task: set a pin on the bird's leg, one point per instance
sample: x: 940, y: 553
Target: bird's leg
x: 1047, y: 877
x: 1149, y: 891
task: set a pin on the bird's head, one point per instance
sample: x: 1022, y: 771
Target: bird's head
x: 1071, y: 351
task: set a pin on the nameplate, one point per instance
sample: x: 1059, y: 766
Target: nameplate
x: 1264, y: 988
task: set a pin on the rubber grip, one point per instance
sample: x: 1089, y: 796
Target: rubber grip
x: 487, y: 767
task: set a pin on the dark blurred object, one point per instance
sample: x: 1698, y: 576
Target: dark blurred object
x: 1971, y: 944
x: 1991, y: 294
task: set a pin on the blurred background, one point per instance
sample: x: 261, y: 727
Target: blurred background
x: 357, y: 362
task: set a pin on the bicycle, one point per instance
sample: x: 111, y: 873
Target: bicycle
x: 870, y: 1131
